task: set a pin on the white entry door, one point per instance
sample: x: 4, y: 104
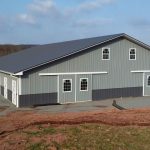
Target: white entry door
x: 14, y: 92
x: 5, y: 88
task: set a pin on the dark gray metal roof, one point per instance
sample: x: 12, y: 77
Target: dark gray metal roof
x: 40, y: 55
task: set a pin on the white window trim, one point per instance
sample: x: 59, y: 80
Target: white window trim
x: 103, y: 50
x: 63, y: 86
x: 87, y: 85
x: 132, y: 54
x: 147, y: 81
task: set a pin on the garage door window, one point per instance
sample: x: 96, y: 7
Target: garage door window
x: 67, y: 85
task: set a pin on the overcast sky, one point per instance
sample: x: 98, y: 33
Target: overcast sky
x: 47, y: 21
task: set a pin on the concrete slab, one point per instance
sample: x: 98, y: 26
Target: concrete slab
x: 128, y: 103
x: 133, y: 103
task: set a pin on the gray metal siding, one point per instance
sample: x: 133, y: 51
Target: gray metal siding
x: 35, y: 84
x: 118, y: 68
x: 116, y: 93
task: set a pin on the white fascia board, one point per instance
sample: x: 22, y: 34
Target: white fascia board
x: 140, y: 71
x: 19, y: 73
x: 6, y: 72
x: 12, y: 74
x: 71, y: 73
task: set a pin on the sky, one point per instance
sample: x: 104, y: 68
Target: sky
x: 48, y: 21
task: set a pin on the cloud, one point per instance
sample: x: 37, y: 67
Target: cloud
x: 89, y: 5
x: 92, y: 22
x: 27, y: 19
x: 42, y: 6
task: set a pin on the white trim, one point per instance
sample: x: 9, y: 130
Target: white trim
x: 58, y: 99
x: 103, y: 53
x: 6, y: 72
x: 87, y: 85
x: 63, y: 86
x: 71, y: 73
x: 19, y: 73
x: 12, y: 74
x: 75, y: 88
x: 14, y: 99
x: 5, y: 88
x: 20, y: 87
x: 132, y: 54
x: 143, y: 84
x: 140, y: 71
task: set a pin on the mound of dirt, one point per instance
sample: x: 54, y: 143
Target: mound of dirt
x: 23, y: 119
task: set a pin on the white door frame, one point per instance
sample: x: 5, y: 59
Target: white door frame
x: 5, y: 88
x: 14, y: 92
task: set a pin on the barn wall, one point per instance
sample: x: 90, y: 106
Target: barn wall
x: 119, y: 69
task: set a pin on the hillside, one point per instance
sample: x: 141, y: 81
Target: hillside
x: 8, y: 49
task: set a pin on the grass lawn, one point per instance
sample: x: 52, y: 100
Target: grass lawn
x: 86, y: 137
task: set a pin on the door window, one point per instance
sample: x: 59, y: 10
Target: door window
x: 67, y: 85
x: 83, y: 84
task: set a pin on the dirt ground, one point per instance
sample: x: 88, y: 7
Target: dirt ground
x: 22, y: 120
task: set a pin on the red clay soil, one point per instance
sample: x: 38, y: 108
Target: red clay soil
x: 23, y: 119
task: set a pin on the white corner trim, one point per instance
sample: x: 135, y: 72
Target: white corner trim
x: 58, y: 98
x: 19, y: 73
x: 75, y: 88
x: 140, y: 71
x: 71, y: 73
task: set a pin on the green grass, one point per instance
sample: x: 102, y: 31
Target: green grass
x: 96, y: 137
x: 41, y: 131
x: 100, y: 137
x: 38, y: 146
